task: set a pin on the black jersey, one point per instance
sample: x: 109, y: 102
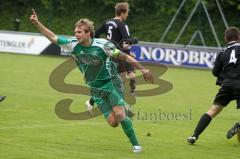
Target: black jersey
x: 227, y: 64
x: 114, y: 29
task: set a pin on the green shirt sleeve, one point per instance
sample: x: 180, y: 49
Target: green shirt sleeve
x: 115, y: 52
x: 111, y: 50
x: 67, y: 44
x: 62, y: 40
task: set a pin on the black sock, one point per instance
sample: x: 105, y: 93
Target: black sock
x: 91, y: 101
x: 132, y: 84
x: 202, y: 124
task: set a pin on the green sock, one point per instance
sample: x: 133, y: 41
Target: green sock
x: 128, y: 129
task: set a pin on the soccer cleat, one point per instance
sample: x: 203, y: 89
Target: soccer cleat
x: 137, y: 149
x: 191, y: 139
x: 2, y: 98
x: 89, y: 107
x: 234, y: 130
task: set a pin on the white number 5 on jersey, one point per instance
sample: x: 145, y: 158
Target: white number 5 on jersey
x: 109, y: 35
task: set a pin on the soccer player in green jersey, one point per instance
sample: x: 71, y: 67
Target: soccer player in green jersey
x: 93, y: 58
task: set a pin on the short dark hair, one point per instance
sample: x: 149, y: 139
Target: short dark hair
x: 231, y: 34
x: 120, y: 8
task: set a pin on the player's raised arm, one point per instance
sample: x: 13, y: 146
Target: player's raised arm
x: 45, y: 31
x: 146, y: 73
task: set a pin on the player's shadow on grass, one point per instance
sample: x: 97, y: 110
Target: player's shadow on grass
x: 62, y: 108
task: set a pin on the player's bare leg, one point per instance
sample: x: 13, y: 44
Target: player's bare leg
x: 112, y: 120
x: 132, y: 82
x: 118, y: 116
x: 204, y: 122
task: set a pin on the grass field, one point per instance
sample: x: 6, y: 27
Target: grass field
x: 30, y: 129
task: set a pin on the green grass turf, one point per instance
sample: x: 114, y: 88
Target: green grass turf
x: 30, y: 129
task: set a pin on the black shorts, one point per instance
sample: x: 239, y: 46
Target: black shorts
x: 129, y: 67
x: 120, y: 65
x: 226, y: 95
x: 123, y: 66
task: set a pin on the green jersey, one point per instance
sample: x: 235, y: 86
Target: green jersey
x: 94, y: 61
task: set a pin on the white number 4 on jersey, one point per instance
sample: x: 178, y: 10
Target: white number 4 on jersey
x: 233, y: 58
